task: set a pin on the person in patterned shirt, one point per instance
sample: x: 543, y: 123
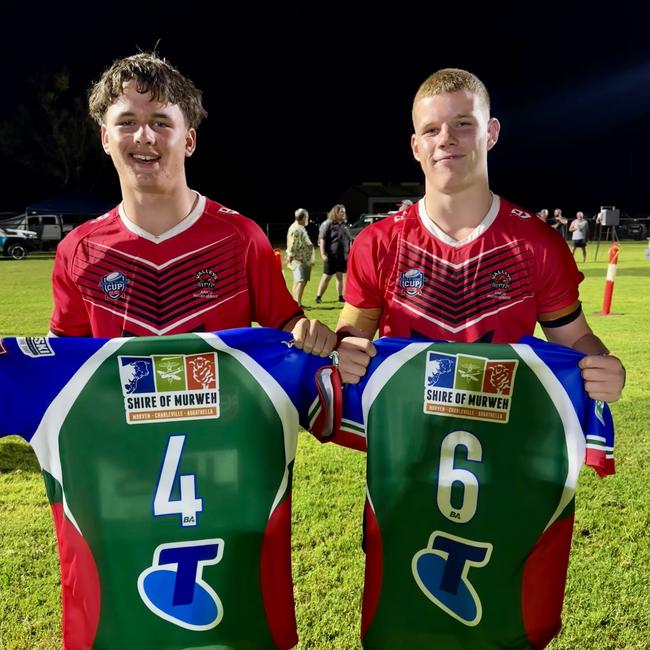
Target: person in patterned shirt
x: 464, y: 264
x: 300, y: 253
x: 166, y: 260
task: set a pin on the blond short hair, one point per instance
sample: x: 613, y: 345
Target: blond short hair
x: 451, y: 80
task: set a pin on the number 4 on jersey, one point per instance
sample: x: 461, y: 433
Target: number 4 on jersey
x: 187, y: 506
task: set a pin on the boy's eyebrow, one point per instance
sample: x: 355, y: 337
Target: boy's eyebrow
x: 127, y: 113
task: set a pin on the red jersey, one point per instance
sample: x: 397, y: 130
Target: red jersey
x: 492, y: 286
x: 215, y: 270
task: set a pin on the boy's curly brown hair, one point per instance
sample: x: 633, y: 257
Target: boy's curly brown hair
x: 152, y: 74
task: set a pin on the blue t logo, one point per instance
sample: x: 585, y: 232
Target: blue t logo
x: 173, y: 588
x: 441, y: 569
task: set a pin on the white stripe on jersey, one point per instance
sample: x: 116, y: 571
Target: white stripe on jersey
x: 469, y: 260
x: 168, y: 262
x: 466, y: 324
x: 286, y: 410
x: 573, y: 433
x: 46, y: 447
x: 171, y: 326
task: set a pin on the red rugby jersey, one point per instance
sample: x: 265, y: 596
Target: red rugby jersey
x: 493, y: 286
x: 215, y: 270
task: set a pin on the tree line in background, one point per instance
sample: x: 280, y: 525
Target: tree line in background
x: 51, y: 135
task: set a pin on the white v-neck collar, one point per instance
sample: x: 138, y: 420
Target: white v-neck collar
x: 488, y: 220
x: 180, y: 227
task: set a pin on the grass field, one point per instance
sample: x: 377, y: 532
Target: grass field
x: 607, y: 604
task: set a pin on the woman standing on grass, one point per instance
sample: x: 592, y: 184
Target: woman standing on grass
x: 334, y: 242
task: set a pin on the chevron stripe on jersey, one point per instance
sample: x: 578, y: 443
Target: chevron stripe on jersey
x: 492, y: 286
x: 464, y: 293
x: 162, y: 297
x: 213, y: 271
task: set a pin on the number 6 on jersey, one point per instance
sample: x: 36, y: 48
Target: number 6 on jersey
x: 188, y: 505
x: 448, y: 475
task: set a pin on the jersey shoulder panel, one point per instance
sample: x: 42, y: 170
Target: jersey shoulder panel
x: 358, y: 397
x: 89, y: 229
x: 525, y: 223
x: 557, y: 276
x: 231, y: 222
x: 293, y: 369
x: 231, y: 219
x: 382, y: 232
x: 33, y: 371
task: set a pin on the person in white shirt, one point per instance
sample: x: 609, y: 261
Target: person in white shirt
x: 579, y: 230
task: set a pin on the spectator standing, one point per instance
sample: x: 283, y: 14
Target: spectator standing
x: 579, y: 230
x: 559, y: 222
x: 334, y: 241
x: 300, y: 253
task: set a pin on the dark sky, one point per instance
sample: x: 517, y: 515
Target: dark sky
x: 304, y: 102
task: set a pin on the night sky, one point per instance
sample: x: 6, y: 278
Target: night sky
x: 304, y: 103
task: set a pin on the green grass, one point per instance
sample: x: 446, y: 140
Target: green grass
x: 607, y: 604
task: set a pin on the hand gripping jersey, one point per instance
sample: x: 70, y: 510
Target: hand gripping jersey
x: 215, y: 270
x: 167, y: 463
x: 474, y: 452
x: 493, y: 287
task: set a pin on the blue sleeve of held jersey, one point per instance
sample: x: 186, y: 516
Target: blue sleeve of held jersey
x: 33, y: 371
x: 293, y: 369
x: 352, y: 432
x: 595, y: 416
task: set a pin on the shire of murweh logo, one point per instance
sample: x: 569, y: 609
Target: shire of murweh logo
x: 412, y: 281
x: 114, y: 284
x: 169, y: 387
x: 469, y: 386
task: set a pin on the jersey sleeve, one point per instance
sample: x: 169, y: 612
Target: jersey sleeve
x: 557, y: 277
x: 599, y: 434
x: 293, y: 369
x: 347, y: 420
x: 271, y: 302
x: 32, y: 373
x: 351, y: 432
x: 69, y: 317
x: 594, y: 416
x: 365, y: 280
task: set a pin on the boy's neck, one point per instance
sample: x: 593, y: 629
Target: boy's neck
x: 158, y: 212
x: 458, y: 214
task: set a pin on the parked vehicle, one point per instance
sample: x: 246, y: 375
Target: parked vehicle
x: 17, y: 243
x: 630, y: 226
x: 363, y: 221
x: 50, y: 229
x: 633, y: 227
